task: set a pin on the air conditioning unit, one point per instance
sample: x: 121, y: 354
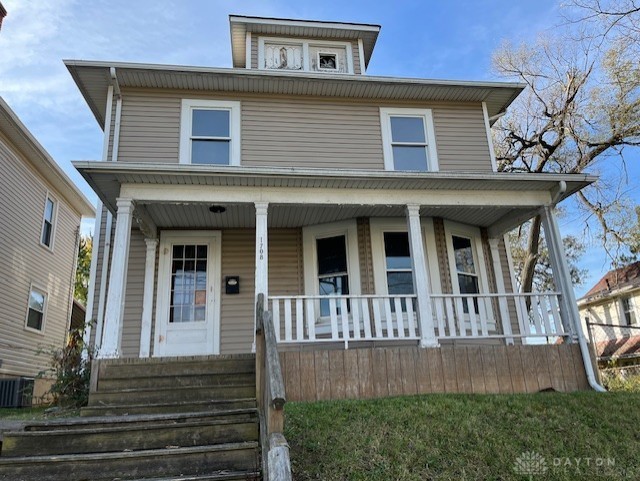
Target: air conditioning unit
x: 16, y: 393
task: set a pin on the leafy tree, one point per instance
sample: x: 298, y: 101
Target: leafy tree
x: 81, y: 285
x: 580, y: 110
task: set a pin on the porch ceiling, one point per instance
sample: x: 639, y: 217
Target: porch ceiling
x: 198, y: 216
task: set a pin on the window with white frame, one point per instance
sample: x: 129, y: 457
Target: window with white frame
x: 305, y: 55
x: 46, y: 236
x: 210, y: 132
x: 466, y: 261
x: 408, y: 140
x: 629, y: 311
x: 331, y: 265
x: 398, y: 267
x: 36, y: 309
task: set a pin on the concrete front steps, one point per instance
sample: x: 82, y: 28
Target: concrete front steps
x: 200, y: 423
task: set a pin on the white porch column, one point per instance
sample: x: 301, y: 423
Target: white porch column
x: 420, y: 277
x: 262, y: 255
x: 117, y: 281
x: 147, y: 299
x: 561, y: 274
x: 500, y: 287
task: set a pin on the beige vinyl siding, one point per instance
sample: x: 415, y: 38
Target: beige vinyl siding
x: 300, y: 132
x: 135, y: 287
x: 357, y: 64
x: 238, y: 258
x: 254, y: 51
x: 461, y: 138
x: 23, y: 261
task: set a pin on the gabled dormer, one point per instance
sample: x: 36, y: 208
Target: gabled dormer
x: 301, y: 45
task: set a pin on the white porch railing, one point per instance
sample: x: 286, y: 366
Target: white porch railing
x: 297, y: 319
x: 488, y: 315
x: 349, y: 318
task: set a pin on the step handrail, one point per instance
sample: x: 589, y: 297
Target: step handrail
x: 271, y: 397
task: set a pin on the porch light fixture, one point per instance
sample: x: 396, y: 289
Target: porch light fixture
x: 217, y: 209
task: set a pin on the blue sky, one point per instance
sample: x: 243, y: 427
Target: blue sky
x: 429, y: 39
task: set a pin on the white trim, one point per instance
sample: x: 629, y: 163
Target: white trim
x: 33, y: 286
x: 54, y: 220
x: 214, y: 280
x: 107, y: 124
x: 363, y: 69
x: 147, y: 296
x: 333, y: 195
x: 492, y: 153
x: 305, y: 44
x: 247, y: 46
x: 188, y: 105
x: 116, y: 130
x: 430, y: 136
x: 116, y: 295
x: 471, y: 232
x: 348, y: 228
x: 303, y: 23
x: 261, y: 260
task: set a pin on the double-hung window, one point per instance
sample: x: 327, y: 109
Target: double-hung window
x: 210, y: 132
x: 36, y: 309
x: 629, y: 311
x: 333, y: 272
x: 408, y: 140
x: 46, y: 236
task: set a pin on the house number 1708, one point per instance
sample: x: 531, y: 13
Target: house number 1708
x: 261, y: 251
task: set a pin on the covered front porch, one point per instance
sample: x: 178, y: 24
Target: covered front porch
x: 346, y: 260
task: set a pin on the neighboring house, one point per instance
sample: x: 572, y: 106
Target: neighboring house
x: 369, y: 210
x: 40, y: 213
x: 610, y: 312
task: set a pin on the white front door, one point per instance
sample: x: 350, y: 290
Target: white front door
x: 188, y: 300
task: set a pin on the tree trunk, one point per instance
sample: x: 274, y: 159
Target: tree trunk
x: 533, y: 247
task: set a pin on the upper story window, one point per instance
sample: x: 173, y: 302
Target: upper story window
x: 36, y: 309
x: 408, y: 140
x: 629, y: 311
x: 210, y: 132
x: 46, y: 236
x: 305, y: 55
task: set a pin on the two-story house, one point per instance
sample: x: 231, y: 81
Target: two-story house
x: 368, y: 210
x: 40, y: 214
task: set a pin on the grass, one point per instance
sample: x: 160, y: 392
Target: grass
x: 36, y: 413
x: 466, y: 437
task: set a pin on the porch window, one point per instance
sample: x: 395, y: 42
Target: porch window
x: 398, y: 263
x: 333, y: 272
x: 36, y: 309
x: 210, y: 132
x: 408, y: 140
x: 188, y: 283
x: 46, y: 237
x: 629, y: 311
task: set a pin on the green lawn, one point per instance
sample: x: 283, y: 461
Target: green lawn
x: 467, y: 437
x: 37, y: 413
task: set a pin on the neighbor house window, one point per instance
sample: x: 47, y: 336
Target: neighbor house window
x: 36, y: 309
x: 408, y: 140
x: 629, y: 311
x: 46, y: 238
x: 210, y: 132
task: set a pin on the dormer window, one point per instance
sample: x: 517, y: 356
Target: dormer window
x: 305, y: 55
x: 327, y: 61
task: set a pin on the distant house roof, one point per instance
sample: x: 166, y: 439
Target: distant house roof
x: 615, y: 280
x: 19, y: 135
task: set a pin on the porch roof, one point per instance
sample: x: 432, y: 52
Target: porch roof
x: 521, y: 195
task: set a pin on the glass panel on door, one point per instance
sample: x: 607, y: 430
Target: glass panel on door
x: 188, y: 283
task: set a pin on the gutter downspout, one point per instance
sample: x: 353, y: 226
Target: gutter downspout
x: 575, y: 317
